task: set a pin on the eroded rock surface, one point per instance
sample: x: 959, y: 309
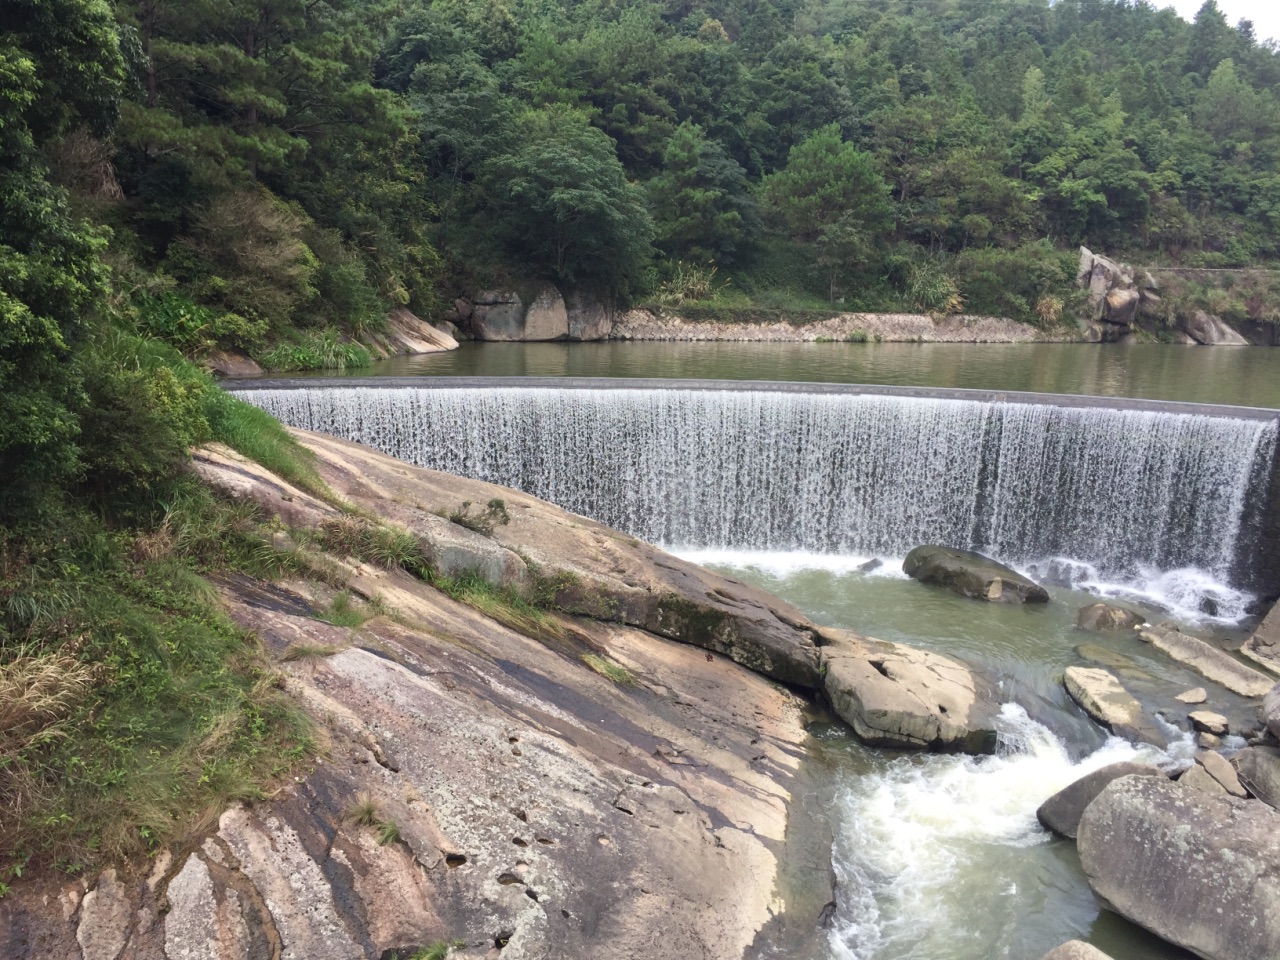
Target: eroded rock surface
x: 1263, y: 647
x: 1258, y: 769
x: 1199, y: 870
x: 972, y: 575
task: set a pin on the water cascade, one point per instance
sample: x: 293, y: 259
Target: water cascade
x: 1132, y: 493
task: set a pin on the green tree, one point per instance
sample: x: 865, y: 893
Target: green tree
x: 701, y: 207
x: 564, y: 206
x: 831, y: 195
x: 60, y: 68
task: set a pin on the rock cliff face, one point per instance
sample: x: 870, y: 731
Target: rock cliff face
x: 542, y: 313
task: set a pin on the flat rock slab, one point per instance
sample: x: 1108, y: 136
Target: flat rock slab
x: 1199, y: 870
x: 1194, y: 695
x: 1061, y: 813
x: 896, y: 696
x: 1105, y: 699
x: 1219, y: 667
x: 971, y: 575
x: 1196, y: 777
x: 1216, y: 765
x: 1076, y: 950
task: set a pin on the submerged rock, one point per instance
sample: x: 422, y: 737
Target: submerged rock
x: 1194, y: 695
x: 897, y: 696
x: 1100, y: 617
x: 972, y: 575
x: 1061, y: 813
x: 1106, y: 700
x: 1199, y: 870
x: 1076, y: 950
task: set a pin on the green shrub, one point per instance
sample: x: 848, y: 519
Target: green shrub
x: 317, y: 350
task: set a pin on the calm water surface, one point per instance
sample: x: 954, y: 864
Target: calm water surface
x: 1244, y: 376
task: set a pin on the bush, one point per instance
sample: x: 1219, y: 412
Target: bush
x: 1012, y: 282
x: 320, y: 350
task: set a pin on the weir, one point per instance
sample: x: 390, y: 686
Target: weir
x: 1126, y: 486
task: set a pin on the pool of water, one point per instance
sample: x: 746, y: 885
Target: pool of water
x: 941, y: 857
x: 1243, y: 376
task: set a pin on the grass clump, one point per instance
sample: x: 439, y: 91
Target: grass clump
x: 254, y: 433
x: 344, y: 612
x: 365, y: 812
x: 389, y: 548
x: 436, y: 951
x: 310, y: 653
x: 133, y: 710
x: 504, y: 605
x: 608, y: 668
x: 316, y: 350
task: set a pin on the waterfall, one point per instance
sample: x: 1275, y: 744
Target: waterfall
x: 838, y: 473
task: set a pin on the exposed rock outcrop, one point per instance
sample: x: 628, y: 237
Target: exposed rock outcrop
x: 589, y: 317
x: 1208, y: 330
x: 971, y: 575
x: 897, y: 696
x: 1199, y: 870
x: 1105, y: 699
x: 507, y: 315
x: 1208, y: 661
x: 1061, y: 813
x: 408, y: 334
x: 231, y: 363
x: 1099, y: 617
x: 1115, y: 295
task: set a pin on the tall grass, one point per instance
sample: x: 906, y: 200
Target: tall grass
x: 254, y: 433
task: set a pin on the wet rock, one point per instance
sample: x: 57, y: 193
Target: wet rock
x: 1199, y: 870
x: 1106, y: 700
x: 1219, y: 667
x: 1208, y: 741
x: 1122, y: 665
x: 1100, y: 617
x: 1075, y: 950
x: 1061, y: 813
x: 893, y: 695
x: 871, y: 565
x: 1194, y: 695
x: 972, y: 575
x: 1207, y: 721
x: 1259, y: 771
x: 1216, y: 765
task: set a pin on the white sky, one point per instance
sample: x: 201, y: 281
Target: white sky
x: 1265, y: 14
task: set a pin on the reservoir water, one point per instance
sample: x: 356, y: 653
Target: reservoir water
x: 1244, y: 376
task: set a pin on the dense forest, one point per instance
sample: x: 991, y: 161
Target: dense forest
x: 276, y: 175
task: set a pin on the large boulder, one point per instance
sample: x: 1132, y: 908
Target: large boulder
x: 1263, y: 647
x: 1121, y: 306
x: 1207, y: 660
x: 896, y: 696
x: 971, y: 575
x: 1100, y: 617
x: 1200, y: 870
x: 1105, y: 699
x: 589, y: 317
x: 505, y: 315
x: 1258, y: 769
x: 1271, y: 711
x: 407, y: 333
x: 1061, y: 813
x: 1208, y: 330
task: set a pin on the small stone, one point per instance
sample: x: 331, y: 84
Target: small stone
x: 1194, y: 695
x: 874, y: 564
x: 1207, y: 741
x: 1207, y: 721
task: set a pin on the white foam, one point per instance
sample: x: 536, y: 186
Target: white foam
x: 914, y: 836
x: 785, y: 563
